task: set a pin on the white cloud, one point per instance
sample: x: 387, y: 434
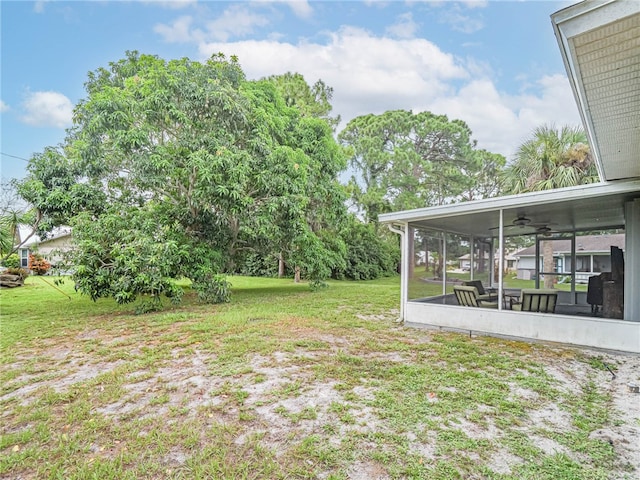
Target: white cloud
x: 300, y: 8
x: 38, y: 6
x: 461, y: 23
x: 404, y: 27
x: 235, y: 21
x: 178, y: 31
x: 368, y: 74
x: 502, y: 122
x: 47, y: 109
x: 475, y: 3
x: 3, y: 106
x: 173, y: 4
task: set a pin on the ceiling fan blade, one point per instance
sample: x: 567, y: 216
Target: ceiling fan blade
x: 506, y: 226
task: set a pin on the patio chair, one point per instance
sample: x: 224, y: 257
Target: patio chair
x: 482, y: 293
x: 468, y: 296
x: 536, y: 300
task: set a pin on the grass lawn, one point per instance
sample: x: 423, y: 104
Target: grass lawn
x: 285, y: 383
x: 420, y: 288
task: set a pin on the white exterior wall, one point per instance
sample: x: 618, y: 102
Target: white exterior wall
x: 51, y: 249
x: 632, y: 261
x: 594, y: 332
x: 526, y: 268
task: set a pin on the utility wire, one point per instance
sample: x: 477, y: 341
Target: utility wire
x: 14, y: 156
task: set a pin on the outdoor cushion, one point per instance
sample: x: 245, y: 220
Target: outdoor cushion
x: 536, y: 300
x: 467, y: 296
x: 482, y: 294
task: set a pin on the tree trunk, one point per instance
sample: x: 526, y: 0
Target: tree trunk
x: 411, y: 253
x: 281, y: 265
x: 296, y: 278
x: 425, y: 249
x: 440, y: 264
x: 480, y: 264
x: 547, y: 263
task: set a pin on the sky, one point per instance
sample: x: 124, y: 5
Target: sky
x: 494, y: 64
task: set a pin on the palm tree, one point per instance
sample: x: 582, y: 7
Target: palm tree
x: 551, y: 159
x: 10, y: 221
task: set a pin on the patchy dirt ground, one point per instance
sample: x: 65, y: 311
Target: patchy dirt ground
x: 284, y: 395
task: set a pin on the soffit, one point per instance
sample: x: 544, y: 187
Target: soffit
x: 600, y: 43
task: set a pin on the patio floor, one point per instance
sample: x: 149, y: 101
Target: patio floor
x: 561, y: 308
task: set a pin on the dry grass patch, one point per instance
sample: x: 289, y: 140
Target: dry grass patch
x: 279, y: 384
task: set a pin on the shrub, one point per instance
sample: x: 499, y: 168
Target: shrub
x: 369, y: 255
x: 38, y: 265
x: 12, y: 261
x: 213, y: 288
x: 256, y: 264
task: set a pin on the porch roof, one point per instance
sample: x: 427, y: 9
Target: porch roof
x: 581, y: 208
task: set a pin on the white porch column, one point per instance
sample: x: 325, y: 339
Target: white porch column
x: 404, y: 266
x: 632, y: 261
x: 444, y: 263
x: 500, y: 260
x: 472, y: 257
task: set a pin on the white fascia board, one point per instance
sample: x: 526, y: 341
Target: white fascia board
x: 587, y: 15
x: 513, y: 201
x: 573, y: 21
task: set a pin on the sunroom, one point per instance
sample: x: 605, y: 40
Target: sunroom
x: 599, y: 41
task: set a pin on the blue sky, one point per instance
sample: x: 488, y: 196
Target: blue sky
x: 494, y: 64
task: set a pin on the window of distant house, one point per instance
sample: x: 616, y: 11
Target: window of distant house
x: 24, y: 258
x: 601, y: 263
x: 583, y: 263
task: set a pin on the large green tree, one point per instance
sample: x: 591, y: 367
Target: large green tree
x: 407, y: 160
x: 197, y: 165
x: 403, y: 160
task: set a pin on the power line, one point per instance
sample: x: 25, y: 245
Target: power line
x: 14, y: 156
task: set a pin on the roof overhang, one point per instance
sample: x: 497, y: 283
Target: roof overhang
x: 574, y: 209
x: 600, y: 45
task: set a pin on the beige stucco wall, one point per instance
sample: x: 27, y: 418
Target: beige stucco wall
x: 51, y: 249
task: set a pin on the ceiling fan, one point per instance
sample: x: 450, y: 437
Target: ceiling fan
x: 544, y: 230
x: 522, y: 221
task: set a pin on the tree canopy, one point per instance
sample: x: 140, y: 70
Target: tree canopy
x: 405, y: 160
x: 192, y: 164
x: 551, y: 158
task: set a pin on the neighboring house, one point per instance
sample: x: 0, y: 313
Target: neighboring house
x: 464, y: 262
x: 51, y: 248
x: 593, y: 256
x: 598, y: 41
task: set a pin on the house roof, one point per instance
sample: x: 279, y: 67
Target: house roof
x: 584, y: 244
x: 599, y: 42
x: 25, y: 230
x: 467, y: 256
x: 582, y: 208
